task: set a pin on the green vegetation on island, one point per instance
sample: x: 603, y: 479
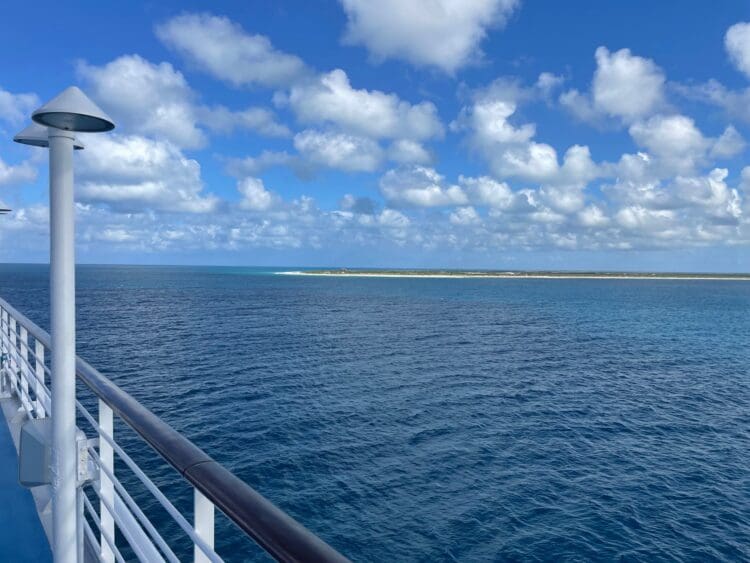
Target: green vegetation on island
x: 371, y: 272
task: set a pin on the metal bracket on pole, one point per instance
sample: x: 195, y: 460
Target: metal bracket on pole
x: 87, y: 470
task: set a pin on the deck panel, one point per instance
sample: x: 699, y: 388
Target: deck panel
x: 22, y: 537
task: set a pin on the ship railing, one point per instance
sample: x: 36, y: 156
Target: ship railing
x: 25, y: 373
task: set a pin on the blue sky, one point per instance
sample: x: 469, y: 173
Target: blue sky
x: 430, y: 133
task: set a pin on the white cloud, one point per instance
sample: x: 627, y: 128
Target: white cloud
x: 21, y: 173
x: 547, y: 83
x: 581, y: 107
x: 363, y: 205
x: 16, y: 109
x: 146, y: 98
x: 489, y: 120
x: 625, y: 86
x: 735, y: 102
x: 465, y: 216
x: 260, y: 120
x: 488, y: 192
x: 737, y: 44
x: 156, y: 100
x: 643, y: 219
x: 729, y: 144
x: 510, y: 149
x: 531, y: 161
x: 225, y: 50
x: 255, y: 196
x: 393, y: 219
x: 441, y: 33
x: 711, y: 194
x: 593, y: 216
x: 254, y: 165
x: 564, y: 199
x: 134, y: 174
x: 339, y: 150
x: 406, y: 151
x: 674, y: 140
x: 419, y: 186
x: 330, y: 98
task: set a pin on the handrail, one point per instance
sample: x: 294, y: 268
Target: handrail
x: 271, y: 528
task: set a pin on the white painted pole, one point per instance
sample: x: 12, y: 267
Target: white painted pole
x: 39, y: 385
x: 24, y: 368
x: 62, y: 301
x: 204, y: 524
x: 106, y: 486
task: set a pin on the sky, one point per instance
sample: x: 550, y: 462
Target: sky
x: 502, y: 134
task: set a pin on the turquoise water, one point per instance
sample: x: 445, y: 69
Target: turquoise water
x: 442, y: 419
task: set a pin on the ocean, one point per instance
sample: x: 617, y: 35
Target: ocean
x: 440, y: 419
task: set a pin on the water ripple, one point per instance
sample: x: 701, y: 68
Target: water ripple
x: 442, y: 420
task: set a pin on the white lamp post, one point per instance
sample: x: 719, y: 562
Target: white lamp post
x: 70, y: 111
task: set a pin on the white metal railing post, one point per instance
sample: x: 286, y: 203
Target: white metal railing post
x: 24, y: 369
x: 40, y: 380
x: 3, y: 349
x: 106, y: 486
x: 13, y: 353
x: 204, y: 524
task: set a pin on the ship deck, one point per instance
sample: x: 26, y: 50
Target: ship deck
x: 22, y: 536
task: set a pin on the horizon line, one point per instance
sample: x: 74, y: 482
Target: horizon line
x: 397, y: 268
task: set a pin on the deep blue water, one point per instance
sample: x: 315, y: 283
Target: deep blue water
x: 438, y: 420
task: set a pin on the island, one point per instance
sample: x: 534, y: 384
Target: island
x: 521, y: 274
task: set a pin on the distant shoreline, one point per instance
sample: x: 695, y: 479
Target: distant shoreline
x: 442, y: 274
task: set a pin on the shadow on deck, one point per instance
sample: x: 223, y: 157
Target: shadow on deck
x: 22, y: 536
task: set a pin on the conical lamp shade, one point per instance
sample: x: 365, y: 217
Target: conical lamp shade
x: 36, y: 136
x: 72, y: 110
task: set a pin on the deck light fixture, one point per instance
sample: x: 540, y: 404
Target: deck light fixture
x: 36, y: 136
x: 70, y: 111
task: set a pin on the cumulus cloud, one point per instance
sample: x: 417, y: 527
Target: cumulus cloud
x: 140, y: 191
x: 419, y: 186
x: 737, y: 44
x: 15, y: 109
x: 134, y: 173
x: 260, y: 120
x: 674, y: 139
x: 222, y: 48
x: 510, y: 149
x: 440, y: 33
x: 146, y: 98
x: 255, y: 196
x: 406, y: 151
x: 675, y: 145
x: 735, y: 102
x: 547, y: 83
x: 364, y: 205
x: 711, y: 194
x: 254, y: 165
x: 593, y: 216
x: 489, y: 192
x: 156, y: 100
x: 16, y: 174
x: 625, y: 86
x: 643, y: 219
x: 465, y: 216
x: 339, y: 150
x: 729, y: 144
x: 330, y: 98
